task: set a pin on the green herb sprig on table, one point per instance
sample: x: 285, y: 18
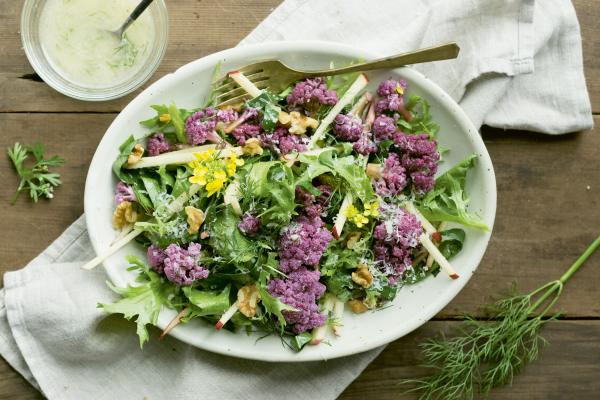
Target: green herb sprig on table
x: 490, y: 353
x: 36, y: 178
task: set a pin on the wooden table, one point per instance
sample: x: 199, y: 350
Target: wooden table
x: 548, y: 202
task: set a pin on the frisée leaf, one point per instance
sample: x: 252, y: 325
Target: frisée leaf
x: 448, y: 200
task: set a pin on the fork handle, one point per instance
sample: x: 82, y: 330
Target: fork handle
x: 442, y: 52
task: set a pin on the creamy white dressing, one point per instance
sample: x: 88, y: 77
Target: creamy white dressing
x: 75, y: 39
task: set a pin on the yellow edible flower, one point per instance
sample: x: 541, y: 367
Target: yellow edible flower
x: 399, y: 89
x: 211, y: 171
x: 166, y: 118
x: 219, y: 178
x: 355, y: 216
x: 232, y: 163
x: 372, y: 209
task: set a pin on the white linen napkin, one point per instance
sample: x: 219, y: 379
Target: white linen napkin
x: 52, y: 332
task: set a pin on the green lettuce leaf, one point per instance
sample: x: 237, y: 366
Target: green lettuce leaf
x: 153, y: 189
x: 266, y: 103
x: 174, y: 128
x: 272, y: 305
x: 349, y: 169
x: 273, y: 182
x: 448, y: 200
x: 207, y: 302
x: 301, y: 340
x: 143, y: 301
x: 227, y: 241
x: 124, y: 152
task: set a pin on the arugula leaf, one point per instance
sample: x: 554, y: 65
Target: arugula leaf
x: 451, y: 245
x: 452, y: 242
x: 124, y: 151
x: 207, y: 302
x: 266, y: 102
x: 448, y: 200
x: 144, y: 301
x: 37, y: 179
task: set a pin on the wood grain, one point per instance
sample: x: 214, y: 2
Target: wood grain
x: 546, y: 213
x: 567, y: 369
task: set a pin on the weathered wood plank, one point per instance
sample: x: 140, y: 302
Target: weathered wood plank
x: 567, y: 369
x: 13, y: 386
x: 546, y: 215
x: 199, y: 28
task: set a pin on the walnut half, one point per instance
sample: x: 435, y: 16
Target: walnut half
x: 124, y: 215
x: 297, y: 123
x: 362, y: 276
x: 252, y: 147
x: 136, y: 154
x: 195, y: 218
x: 247, y: 299
x: 357, y: 306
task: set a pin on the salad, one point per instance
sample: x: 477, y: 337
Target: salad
x: 273, y: 214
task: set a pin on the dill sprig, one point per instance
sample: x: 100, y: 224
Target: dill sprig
x: 36, y: 178
x: 490, y: 353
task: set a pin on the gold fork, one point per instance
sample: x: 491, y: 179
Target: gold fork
x: 277, y: 76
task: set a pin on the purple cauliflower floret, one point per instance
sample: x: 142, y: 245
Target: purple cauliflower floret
x: 179, y: 265
x: 244, y: 132
x: 384, y: 128
x: 391, y: 86
x: 158, y: 144
x: 249, y: 225
x: 365, y: 145
x: 302, y: 243
x: 311, y: 93
x: 124, y: 192
x: 396, y: 236
x: 392, y: 98
x: 347, y: 127
x: 313, y: 205
x: 227, y: 116
x: 393, y: 177
x: 156, y: 258
x: 283, y: 142
x: 419, y: 159
x: 301, y: 290
x: 393, y: 103
x: 200, y: 126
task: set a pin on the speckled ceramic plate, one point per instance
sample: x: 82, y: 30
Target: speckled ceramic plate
x: 413, y: 306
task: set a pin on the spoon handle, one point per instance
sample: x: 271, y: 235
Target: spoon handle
x: 135, y: 14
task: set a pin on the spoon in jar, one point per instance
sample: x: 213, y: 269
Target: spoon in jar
x: 126, y: 51
x: 120, y: 33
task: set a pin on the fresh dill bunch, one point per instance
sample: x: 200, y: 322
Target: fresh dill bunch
x: 490, y: 353
x: 36, y: 178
